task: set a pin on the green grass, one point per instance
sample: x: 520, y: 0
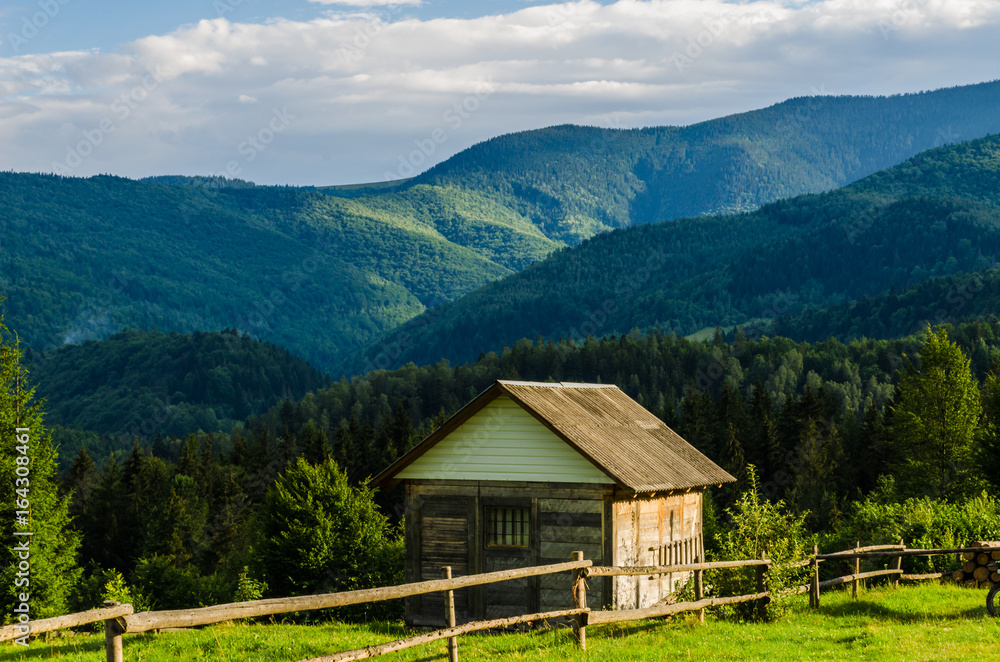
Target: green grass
x: 928, y: 622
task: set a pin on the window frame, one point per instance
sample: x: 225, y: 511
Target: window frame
x: 520, y: 533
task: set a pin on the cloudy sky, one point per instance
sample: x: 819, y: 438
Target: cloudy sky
x: 346, y: 91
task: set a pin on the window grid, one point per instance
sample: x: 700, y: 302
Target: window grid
x: 507, y: 527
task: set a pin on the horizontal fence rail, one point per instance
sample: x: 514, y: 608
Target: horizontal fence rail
x: 11, y: 632
x: 617, y: 571
x: 850, y: 553
x: 446, y: 633
x: 837, y: 581
x: 158, y: 620
x: 617, y: 616
x: 925, y: 576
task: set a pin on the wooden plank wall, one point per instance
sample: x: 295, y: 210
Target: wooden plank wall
x: 564, y: 519
x: 566, y: 526
x: 443, y: 540
x: 655, y: 531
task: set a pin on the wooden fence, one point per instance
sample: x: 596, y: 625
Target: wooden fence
x: 120, y: 619
x: 896, y: 552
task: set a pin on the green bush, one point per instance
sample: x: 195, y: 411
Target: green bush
x: 883, y: 518
x: 116, y: 588
x: 170, y: 587
x: 756, y: 528
x: 248, y: 588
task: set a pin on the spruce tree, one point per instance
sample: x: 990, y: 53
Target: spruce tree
x: 38, y: 566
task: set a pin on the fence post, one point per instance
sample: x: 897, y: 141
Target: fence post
x: 857, y: 569
x: 762, y: 588
x: 814, y: 593
x: 450, y: 616
x: 899, y: 563
x: 113, y: 637
x: 580, y: 602
x: 699, y: 588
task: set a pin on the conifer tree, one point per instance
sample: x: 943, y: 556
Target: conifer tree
x: 936, y: 420
x: 40, y: 569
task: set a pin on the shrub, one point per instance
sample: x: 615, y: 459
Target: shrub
x: 116, y: 588
x: 759, y: 527
x: 882, y: 518
x: 169, y: 587
x: 248, y: 588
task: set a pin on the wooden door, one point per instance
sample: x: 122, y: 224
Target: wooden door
x: 510, y: 540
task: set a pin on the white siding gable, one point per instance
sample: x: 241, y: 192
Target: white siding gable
x: 504, y: 442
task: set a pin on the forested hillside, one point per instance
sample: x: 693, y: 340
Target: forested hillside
x: 937, y: 214
x: 326, y: 272
x: 137, y: 383
x: 813, y: 418
x: 83, y: 258
x: 901, y: 311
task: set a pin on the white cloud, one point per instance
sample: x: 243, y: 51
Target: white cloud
x: 368, y: 3
x: 364, y: 88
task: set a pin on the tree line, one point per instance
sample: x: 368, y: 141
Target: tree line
x: 204, y: 519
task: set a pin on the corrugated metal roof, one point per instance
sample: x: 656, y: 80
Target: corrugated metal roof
x: 612, y: 430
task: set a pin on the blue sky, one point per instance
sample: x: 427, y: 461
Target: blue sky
x: 314, y: 93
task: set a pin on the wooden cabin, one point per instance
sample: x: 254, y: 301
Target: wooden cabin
x: 529, y: 472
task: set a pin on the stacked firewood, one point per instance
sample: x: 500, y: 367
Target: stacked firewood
x: 976, y: 570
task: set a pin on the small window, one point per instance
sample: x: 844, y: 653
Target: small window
x: 507, y: 527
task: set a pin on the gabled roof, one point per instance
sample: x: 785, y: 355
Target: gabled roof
x: 633, y: 447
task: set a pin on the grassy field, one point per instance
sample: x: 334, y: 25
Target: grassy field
x: 927, y: 622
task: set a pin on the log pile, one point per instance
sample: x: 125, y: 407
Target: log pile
x: 976, y: 567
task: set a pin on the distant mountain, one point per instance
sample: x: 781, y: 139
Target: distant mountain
x: 937, y: 214
x: 326, y: 272
x: 321, y: 275
x: 144, y: 384
x: 574, y: 182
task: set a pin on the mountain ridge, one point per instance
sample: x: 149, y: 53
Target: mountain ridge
x: 936, y: 214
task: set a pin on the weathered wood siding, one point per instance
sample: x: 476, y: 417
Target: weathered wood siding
x: 444, y: 527
x: 567, y: 526
x: 503, y: 442
x: 655, y: 531
x: 440, y: 537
